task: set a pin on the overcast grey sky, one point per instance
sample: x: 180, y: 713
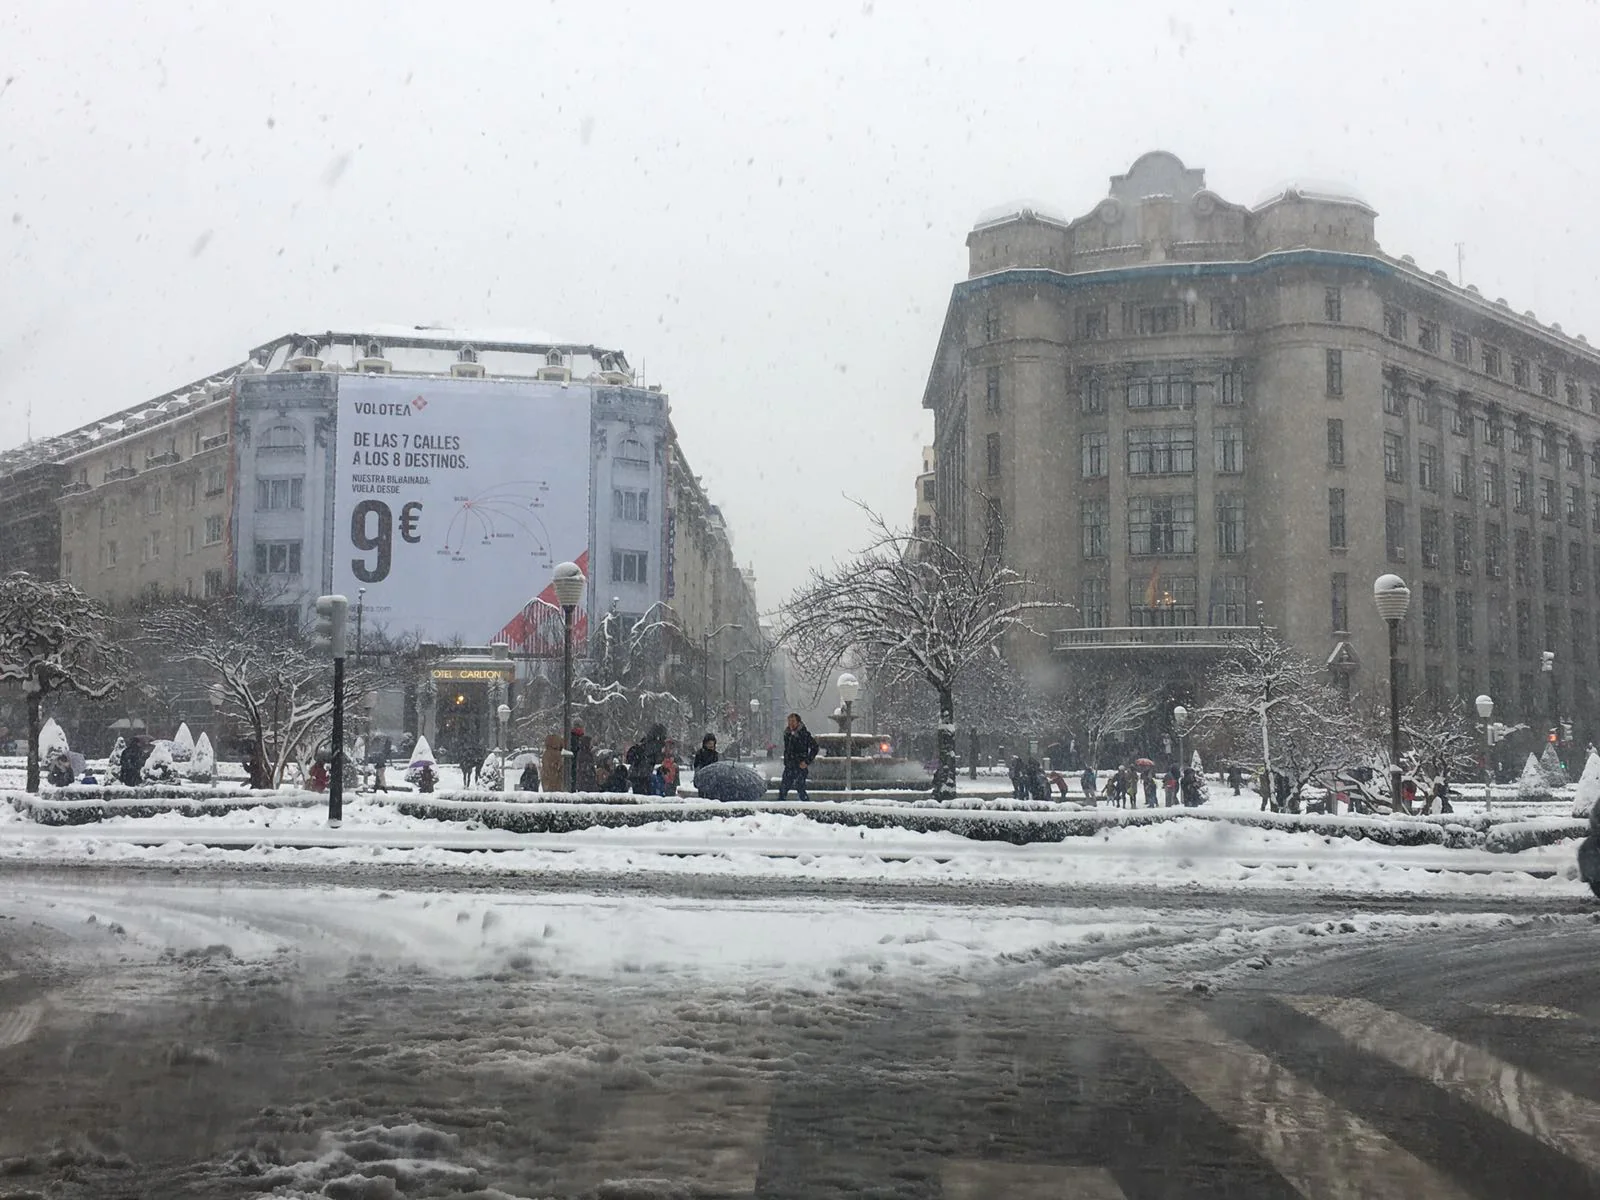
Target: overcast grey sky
x: 764, y: 205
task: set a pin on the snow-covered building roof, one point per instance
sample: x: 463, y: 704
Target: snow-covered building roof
x: 419, y: 349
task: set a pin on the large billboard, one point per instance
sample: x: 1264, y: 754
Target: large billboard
x: 454, y: 498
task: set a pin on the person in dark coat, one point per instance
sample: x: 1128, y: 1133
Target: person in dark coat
x: 1169, y: 784
x: 799, y: 751
x: 130, y: 766
x: 1089, y: 782
x: 643, y: 756
x: 528, y: 781
x: 1235, y: 778
x: 582, y: 759
x: 617, y: 779
x: 1147, y: 778
x: 707, y: 754
x: 1014, y: 772
x: 1190, y: 786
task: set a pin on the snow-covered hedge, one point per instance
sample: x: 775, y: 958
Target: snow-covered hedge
x: 1016, y: 828
x: 87, y: 805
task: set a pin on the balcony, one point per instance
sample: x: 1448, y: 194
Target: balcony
x: 1122, y: 638
x: 75, y: 486
x: 161, y: 460
x: 115, y: 473
x: 214, y: 442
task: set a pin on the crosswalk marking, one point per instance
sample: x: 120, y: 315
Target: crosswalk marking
x: 1568, y: 1123
x: 1320, y: 1148
x: 984, y: 1179
x: 711, y: 1139
x: 17, y: 1026
x: 1531, y: 1012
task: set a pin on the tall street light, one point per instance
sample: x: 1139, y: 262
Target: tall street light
x: 705, y: 668
x: 504, y: 715
x: 755, y: 725
x: 1393, y: 597
x: 1180, y: 722
x: 1547, y: 664
x: 568, y: 585
x: 849, y: 689
x: 1486, y: 711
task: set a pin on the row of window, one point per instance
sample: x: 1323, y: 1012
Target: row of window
x: 187, y: 493
x: 1154, y: 450
x: 1491, y: 361
x: 1093, y: 323
x: 1168, y: 600
x: 1550, y: 443
x: 1156, y: 385
x: 1574, y: 558
x: 213, y: 583
x: 1162, y: 525
x: 150, y: 545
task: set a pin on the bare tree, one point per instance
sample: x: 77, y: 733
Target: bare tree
x: 1268, y: 690
x: 263, y: 671
x: 912, y: 606
x: 54, y: 638
x: 1102, y: 704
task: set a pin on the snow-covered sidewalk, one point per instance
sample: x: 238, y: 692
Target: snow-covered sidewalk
x: 1174, y: 854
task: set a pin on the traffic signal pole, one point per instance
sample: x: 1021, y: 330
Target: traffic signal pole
x: 336, y: 780
x: 332, y: 612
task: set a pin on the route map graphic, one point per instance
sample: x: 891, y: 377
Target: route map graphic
x: 507, y: 512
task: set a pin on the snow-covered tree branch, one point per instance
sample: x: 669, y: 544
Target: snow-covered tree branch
x: 911, y: 607
x: 54, y: 638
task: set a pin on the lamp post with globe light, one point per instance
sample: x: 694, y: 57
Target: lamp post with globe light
x: 1180, y: 722
x: 503, y: 715
x: 1393, y: 597
x: 755, y: 726
x: 1485, y: 706
x: 849, y: 689
x: 568, y: 585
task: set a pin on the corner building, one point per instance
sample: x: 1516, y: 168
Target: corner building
x: 1192, y: 416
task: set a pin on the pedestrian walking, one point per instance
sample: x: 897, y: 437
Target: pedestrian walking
x: 528, y: 781
x: 471, y: 760
x: 707, y: 754
x: 1264, y: 786
x: 1235, y: 777
x: 1148, y: 779
x: 799, y: 752
x: 1089, y: 783
x: 1015, y: 773
x: 1169, y: 785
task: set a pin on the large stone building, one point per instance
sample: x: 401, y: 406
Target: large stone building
x: 1189, y: 416
x: 227, y: 485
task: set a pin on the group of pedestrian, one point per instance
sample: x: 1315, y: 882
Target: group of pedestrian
x: 1029, y: 780
x: 1134, y: 785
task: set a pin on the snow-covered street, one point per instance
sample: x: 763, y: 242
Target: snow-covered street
x: 319, y: 1040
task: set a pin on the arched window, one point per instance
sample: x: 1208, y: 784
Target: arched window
x: 281, y: 439
x: 631, y: 452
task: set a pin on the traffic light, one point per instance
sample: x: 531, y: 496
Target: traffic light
x: 1566, y: 731
x: 328, y: 635
x: 1553, y: 737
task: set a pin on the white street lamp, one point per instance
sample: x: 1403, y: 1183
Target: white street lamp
x: 1486, y: 711
x: 568, y: 584
x: 755, y: 725
x: 504, y: 715
x: 849, y: 689
x: 1180, y: 722
x: 1393, y: 597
